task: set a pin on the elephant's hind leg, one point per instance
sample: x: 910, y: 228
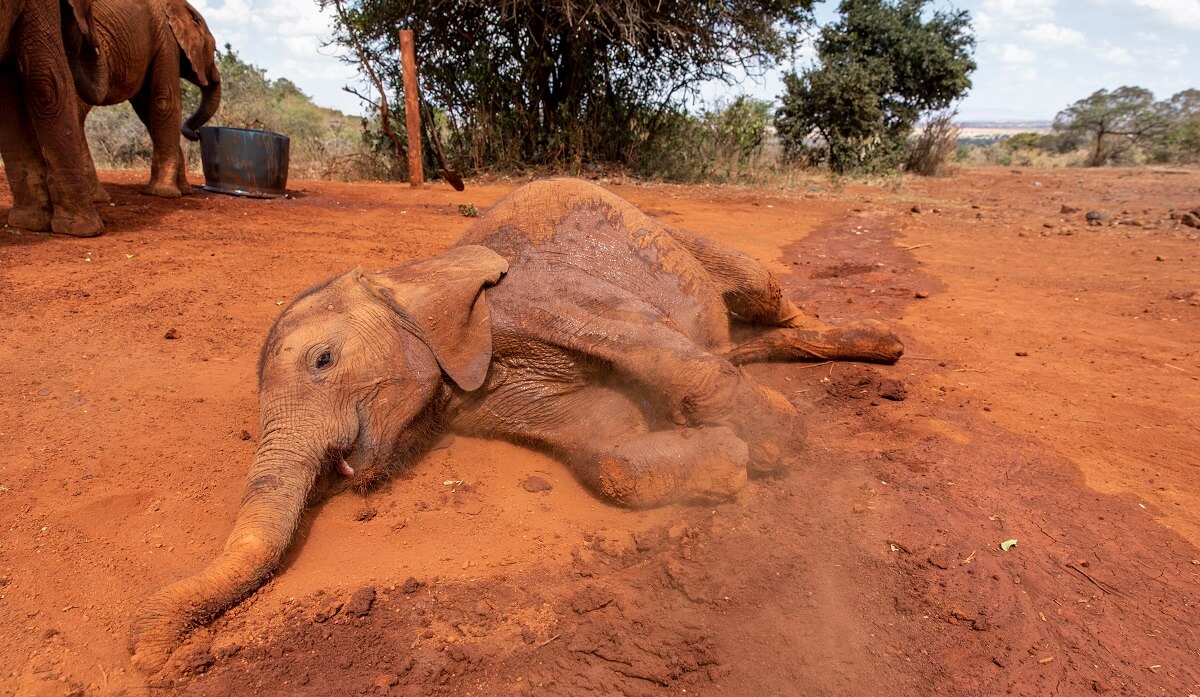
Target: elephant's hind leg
x: 158, y: 107
x: 99, y: 195
x: 753, y: 294
x: 750, y: 291
x: 868, y: 340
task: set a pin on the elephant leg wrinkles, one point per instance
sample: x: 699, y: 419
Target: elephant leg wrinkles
x: 867, y: 340
x: 159, y: 107
x: 603, y: 435
x: 697, y: 387
x: 23, y: 163
x: 52, y: 118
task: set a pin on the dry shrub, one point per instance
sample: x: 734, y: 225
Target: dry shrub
x: 117, y: 139
x: 934, y: 150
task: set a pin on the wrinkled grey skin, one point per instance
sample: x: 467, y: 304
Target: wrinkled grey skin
x: 564, y: 320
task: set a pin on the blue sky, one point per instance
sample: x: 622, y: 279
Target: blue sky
x: 1034, y: 56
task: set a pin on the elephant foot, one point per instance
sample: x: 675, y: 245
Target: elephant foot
x: 100, y: 195
x: 707, y: 463
x: 163, y: 190
x: 867, y: 340
x: 76, y: 225
x: 720, y: 472
x: 775, y: 431
x: 33, y: 219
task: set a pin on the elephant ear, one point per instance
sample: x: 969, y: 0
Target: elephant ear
x: 193, y: 37
x: 442, y: 301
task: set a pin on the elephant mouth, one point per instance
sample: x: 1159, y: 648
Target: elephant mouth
x: 363, y: 466
x: 374, y: 453
x: 342, y: 466
x: 353, y: 463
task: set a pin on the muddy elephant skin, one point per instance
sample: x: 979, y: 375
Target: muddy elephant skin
x: 564, y: 320
x: 150, y: 45
x: 49, y: 57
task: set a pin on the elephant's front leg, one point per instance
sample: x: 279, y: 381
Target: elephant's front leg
x: 603, y: 436
x: 695, y: 387
x: 159, y: 107
x: 22, y: 162
x: 52, y: 108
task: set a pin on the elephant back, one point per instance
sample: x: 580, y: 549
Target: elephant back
x: 570, y: 239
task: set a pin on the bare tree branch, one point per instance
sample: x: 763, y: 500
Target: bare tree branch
x: 384, y: 120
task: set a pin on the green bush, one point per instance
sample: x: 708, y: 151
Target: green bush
x: 728, y: 144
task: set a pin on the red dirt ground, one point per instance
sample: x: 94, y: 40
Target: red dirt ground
x: 1050, y: 395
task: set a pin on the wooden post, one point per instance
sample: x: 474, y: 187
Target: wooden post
x: 412, y: 109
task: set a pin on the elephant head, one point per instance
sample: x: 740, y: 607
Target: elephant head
x: 352, y: 378
x: 198, y: 46
x: 89, y: 65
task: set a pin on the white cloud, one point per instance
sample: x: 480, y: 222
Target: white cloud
x: 1000, y: 16
x: 1181, y: 13
x: 1115, y: 55
x: 285, y: 37
x: 1015, y: 55
x: 1051, y: 35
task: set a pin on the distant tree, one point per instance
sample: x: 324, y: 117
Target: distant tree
x: 1179, y: 140
x: 1116, y: 121
x: 565, y: 82
x: 881, y: 67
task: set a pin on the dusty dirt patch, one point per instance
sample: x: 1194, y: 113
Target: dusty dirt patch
x: 1050, y: 395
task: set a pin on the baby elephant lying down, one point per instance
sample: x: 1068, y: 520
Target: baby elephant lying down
x: 564, y: 319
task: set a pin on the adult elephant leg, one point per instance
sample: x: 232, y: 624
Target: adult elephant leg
x: 99, y: 195
x: 23, y: 164
x: 181, y: 180
x: 603, y: 436
x: 159, y: 107
x: 52, y: 108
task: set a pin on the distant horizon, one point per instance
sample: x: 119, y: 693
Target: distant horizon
x: 1035, y: 57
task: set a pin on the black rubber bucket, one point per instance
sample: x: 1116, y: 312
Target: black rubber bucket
x: 243, y: 162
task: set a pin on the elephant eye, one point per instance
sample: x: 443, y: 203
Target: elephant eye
x: 324, y: 360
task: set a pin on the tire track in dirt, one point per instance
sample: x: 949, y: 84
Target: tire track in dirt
x: 1096, y: 596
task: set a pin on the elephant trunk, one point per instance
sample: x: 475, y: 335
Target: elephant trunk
x: 276, y: 491
x: 210, y: 100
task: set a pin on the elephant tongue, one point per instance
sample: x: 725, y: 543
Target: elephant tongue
x: 344, y: 467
